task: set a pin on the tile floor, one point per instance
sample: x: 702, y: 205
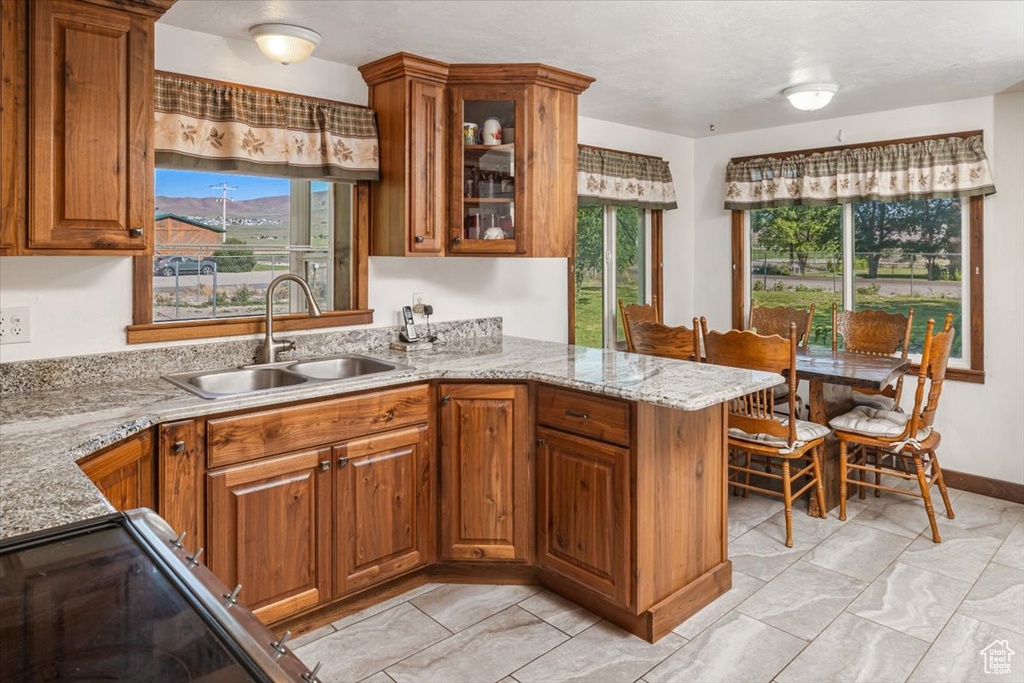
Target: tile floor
x: 871, y: 599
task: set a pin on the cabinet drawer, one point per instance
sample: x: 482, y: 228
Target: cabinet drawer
x: 269, y: 432
x: 602, y: 418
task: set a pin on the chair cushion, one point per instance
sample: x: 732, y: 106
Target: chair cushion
x: 877, y: 401
x: 874, y: 422
x: 805, y: 431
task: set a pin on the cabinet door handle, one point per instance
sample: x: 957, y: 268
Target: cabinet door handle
x: 445, y: 400
x: 576, y: 413
x: 540, y: 442
x: 178, y: 447
x: 325, y: 465
x: 342, y: 461
x: 136, y: 231
x: 418, y: 239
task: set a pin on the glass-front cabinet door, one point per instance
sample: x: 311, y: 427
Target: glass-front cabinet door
x: 487, y: 171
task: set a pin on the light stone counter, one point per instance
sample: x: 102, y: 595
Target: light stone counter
x: 43, y: 432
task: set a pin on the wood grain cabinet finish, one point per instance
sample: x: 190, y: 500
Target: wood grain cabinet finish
x: 13, y: 122
x: 270, y: 530
x: 408, y: 205
x: 382, y: 507
x: 485, y: 472
x: 181, y: 468
x: 583, y: 512
x: 90, y: 181
x: 124, y: 472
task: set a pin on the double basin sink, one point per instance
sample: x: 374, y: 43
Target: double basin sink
x: 261, y: 378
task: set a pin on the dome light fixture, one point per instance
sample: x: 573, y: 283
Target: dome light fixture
x: 810, y: 97
x: 285, y: 43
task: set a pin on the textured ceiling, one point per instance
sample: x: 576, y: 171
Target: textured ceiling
x: 679, y: 66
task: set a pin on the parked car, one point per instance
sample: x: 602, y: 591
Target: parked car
x: 184, y: 265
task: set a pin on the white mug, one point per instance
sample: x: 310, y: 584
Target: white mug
x: 494, y: 234
x: 491, y: 132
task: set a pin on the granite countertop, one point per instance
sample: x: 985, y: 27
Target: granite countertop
x: 43, y: 433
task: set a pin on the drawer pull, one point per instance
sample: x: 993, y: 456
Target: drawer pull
x: 390, y: 415
x: 576, y: 413
x: 178, y: 447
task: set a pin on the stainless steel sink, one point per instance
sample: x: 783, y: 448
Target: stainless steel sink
x: 341, y: 367
x: 261, y: 378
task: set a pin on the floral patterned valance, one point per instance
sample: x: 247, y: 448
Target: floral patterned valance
x: 622, y: 179
x: 928, y: 169
x: 215, y: 126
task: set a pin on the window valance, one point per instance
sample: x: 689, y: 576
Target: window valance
x: 622, y: 179
x: 926, y: 169
x: 208, y: 125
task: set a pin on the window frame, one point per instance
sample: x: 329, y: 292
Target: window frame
x: 653, y: 271
x: 973, y: 297
x: 144, y: 330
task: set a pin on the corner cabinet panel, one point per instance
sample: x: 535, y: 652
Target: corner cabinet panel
x: 426, y: 167
x: 13, y: 120
x: 382, y: 509
x: 485, y: 477
x: 583, y: 512
x: 270, y: 530
x: 124, y: 472
x: 90, y: 185
x: 181, y: 464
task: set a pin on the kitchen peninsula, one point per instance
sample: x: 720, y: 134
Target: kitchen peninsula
x: 598, y: 474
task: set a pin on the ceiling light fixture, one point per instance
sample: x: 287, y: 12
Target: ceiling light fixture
x: 285, y: 43
x: 810, y: 97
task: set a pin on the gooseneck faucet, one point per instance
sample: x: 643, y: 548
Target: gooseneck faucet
x: 267, y: 353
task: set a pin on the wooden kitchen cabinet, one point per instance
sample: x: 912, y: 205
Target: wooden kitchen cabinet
x: 408, y: 205
x: 13, y: 122
x: 485, y: 472
x: 270, y: 530
x: 180, y: 473
x: 124, y: 472
x: 383, y: 507
x: 583, y: 512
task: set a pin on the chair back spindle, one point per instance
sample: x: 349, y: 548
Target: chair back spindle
x: 934, y: 361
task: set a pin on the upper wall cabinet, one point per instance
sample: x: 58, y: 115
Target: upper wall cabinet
x: 494, y: 173
x: 87, y: 117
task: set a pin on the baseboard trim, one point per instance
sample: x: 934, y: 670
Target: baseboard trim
x: 985, y: 486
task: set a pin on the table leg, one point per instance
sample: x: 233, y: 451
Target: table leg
x: 826, y: 402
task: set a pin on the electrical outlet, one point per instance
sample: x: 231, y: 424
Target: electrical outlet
x: 418, y: 299
x: 14, y: 325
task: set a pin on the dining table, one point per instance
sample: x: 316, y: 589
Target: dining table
x: 832, y: 376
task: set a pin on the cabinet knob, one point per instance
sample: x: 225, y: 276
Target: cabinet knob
x: 540, y: 442
x: 325, y: 465
x: 342, y: 461
x: 445, y: 400
x: 418, y: 239
x: 136, y: 231
x: 178, y: 447
x: 457, y: 240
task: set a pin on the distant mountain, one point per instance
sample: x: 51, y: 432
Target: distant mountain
x: 261, y: 207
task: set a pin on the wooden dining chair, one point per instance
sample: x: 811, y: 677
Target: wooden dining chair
x: 769, y: 320
x: 870, y: 437
x: 756, y: 431
x: 637, y: 313
x: 657, y: 339
x: 874, y: 333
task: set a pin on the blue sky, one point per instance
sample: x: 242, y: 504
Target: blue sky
x: 173, y: 183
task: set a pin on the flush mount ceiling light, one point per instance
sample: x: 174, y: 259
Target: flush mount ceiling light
x: 810, y: 97
x: 285, y: 43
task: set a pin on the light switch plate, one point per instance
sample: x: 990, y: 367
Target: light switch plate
x: 14, y: 325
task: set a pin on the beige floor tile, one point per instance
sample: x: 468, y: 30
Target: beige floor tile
x: 488, y: 651
x: 603, y: 653
x: 746, y: 513
x: 735, y: 648
x: 309, y: 636
x: 356, y: 617
x: 962, y: 554
x: 859, y: 551
x: 742, y: 587
x: 1011, y: 553
x: 984, y: 515
x: 371, y: 645
x: 911, y: 600
x: 955, y: 655
x: 563, y: 614
x: 855, y: 649
x: 802, y: 600
x: 896, y: 514
x: 816, y: 529
x: 762, y: 551
x: 379, y: 677
x: 459, y: 606
x: 998, y: 598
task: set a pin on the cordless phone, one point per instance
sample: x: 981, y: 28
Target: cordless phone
x: 408, y: 333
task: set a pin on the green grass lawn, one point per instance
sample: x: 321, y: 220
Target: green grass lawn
x: 589, y: 305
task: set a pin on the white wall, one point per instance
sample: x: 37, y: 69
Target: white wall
x: 980, y: 424
x: 82, y: 304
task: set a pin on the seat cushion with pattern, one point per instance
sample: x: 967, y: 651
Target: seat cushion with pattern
x: 877, y: 401
x: 874, y: 422
x: 805, y: 431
